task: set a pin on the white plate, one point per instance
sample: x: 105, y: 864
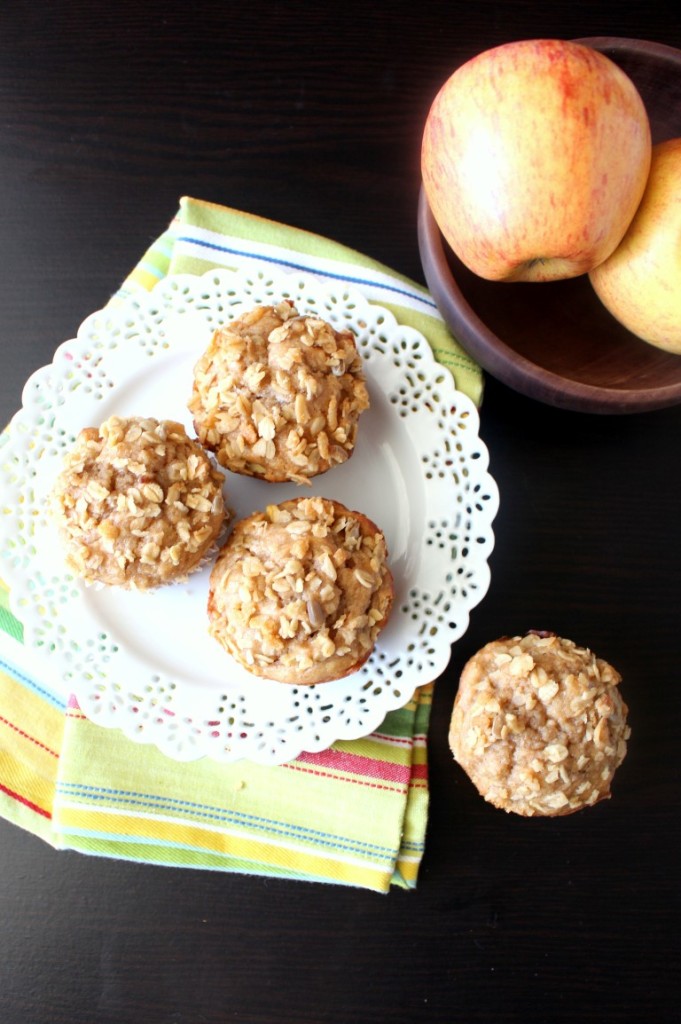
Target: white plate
x: 143, y: 662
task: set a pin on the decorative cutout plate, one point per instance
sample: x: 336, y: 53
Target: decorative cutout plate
x: 143, y: 662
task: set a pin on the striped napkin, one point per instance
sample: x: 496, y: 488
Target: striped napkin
x: 355, y: 814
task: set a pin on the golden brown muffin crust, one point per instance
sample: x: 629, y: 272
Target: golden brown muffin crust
x: 300, y: 591
x: 278, y: 395
x: 539, y: 725
x: 138, y: 503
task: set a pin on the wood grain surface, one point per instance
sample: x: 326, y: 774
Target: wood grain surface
x: 312, y: 115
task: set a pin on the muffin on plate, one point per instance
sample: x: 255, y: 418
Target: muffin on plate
x: 539, y: 725
x: 300, y: 591
x: 138, y: 503
x: 278, y: 395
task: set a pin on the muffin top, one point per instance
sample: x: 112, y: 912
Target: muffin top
x: 138, y: 503
x: 278, y: 395
x: 539, y: 725
x: 300, y: 591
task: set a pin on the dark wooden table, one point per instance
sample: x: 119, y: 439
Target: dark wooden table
x: 312, y: 114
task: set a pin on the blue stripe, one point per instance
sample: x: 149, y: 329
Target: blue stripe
x: 301, y: 266
x: 387, y: 856
x: 151, y: 269
x: 12, y: 670
x: 211, y: 813
x: 258, y: 868
x: 408, y: 845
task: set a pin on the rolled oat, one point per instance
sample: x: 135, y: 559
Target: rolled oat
x: 278, y: 395
x: 300, y: 591
x: 539, y: 725
x: 138, y: 503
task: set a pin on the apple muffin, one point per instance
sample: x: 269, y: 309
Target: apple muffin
x: 539, y: 725
x: 278, y: 395
x: 138, y: 503
x: 300, y: 591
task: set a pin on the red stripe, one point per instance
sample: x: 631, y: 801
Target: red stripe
x: 27, y: 803
x: 397, y: 740
x: 419, y: 738
x: 325, y: 775
x: 355, y: 764
x: 26, y: 736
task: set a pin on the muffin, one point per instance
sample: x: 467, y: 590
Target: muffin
x: 138, y: 503
x: 539, y: 725
x: 278, y: 396
x: 300, y: 592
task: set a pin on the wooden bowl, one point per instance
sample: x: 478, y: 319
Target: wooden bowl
x: 555, y: 341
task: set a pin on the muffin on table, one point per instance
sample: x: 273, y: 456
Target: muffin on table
x: 539, y: 725
x: 138, y: 503
x: 278, y: 395
x: 300, y: 591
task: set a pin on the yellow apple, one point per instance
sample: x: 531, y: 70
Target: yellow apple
x: 535, y: 156
x: 640, y: 284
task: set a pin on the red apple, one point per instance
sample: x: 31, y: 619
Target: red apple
x: 640, y: 284
x: 535, y: 157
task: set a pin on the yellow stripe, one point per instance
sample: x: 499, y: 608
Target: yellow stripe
x: 245, y: 847
x: 419, y: 755
x: 143, y: 278
x: 23, y: 780
x: 377, y: 750
x: 37, y: 741
x: 408, y: 870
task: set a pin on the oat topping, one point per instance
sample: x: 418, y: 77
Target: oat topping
x: 138, y: 503
x: 300, y: 591
x: 278, y: 395
x: 539, y: 725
